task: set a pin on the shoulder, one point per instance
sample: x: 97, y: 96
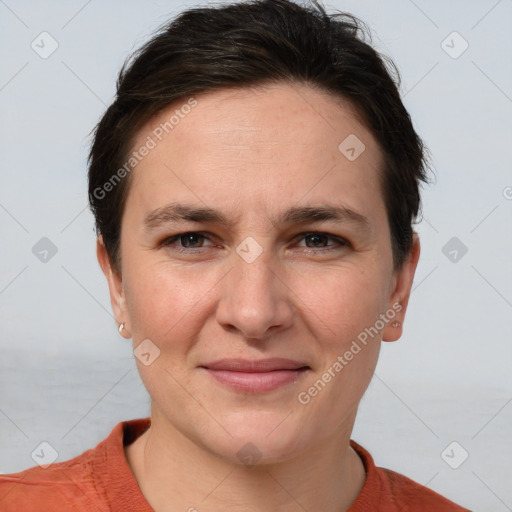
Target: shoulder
x: 88, y: 482
x: 60, y: 484
x: 410, y: 495
x: 393, y: 492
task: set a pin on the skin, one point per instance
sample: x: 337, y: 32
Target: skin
x: 252, y: 153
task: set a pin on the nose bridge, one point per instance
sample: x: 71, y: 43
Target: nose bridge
x: 253, y: 297
x: 253, y: 267
x: 253, y: 276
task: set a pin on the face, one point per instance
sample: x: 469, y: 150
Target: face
x: 256, y: 259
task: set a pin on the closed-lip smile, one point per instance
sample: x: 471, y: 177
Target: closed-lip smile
x: 255, y: 376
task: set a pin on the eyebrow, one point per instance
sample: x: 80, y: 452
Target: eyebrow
x: 176, y: 212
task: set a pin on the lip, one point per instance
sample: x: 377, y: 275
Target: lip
x: 256, y: 376
x: 253, y: 366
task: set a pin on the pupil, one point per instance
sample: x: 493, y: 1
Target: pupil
x: 190, y: 239
x: 315, y: 237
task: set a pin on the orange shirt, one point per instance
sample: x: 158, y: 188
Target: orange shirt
x: 100, y: 480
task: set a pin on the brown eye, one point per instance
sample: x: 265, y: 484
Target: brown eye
x: 190, y: 239
x: 320, y: 241
x: 183, y: 241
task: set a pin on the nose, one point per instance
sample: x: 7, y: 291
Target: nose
x: 255, y: 299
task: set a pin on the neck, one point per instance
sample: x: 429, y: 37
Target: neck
x: 176, y: 474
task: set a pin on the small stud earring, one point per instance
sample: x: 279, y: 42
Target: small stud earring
x: 121, y: 327
x: 396, y: 324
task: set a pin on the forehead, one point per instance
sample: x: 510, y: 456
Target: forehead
x: 258, y: 146
x: 261, y: 117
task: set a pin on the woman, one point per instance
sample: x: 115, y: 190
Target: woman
x: 254, y: 186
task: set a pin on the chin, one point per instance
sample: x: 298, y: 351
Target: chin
x: 258, y: 438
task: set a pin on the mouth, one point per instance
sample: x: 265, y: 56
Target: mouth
x: 256, y: 376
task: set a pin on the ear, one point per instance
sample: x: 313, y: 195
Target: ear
x: 400, y: 292
x: 115, y: 285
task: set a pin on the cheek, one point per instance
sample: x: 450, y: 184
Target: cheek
x: 341, y: 301
x: 344, y: 312
x: 164, y: 301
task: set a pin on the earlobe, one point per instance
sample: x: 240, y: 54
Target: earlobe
x: 399, y: 298
x: 115, y: 285
x: 393, y: 329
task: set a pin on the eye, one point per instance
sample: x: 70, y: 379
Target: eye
x: 315, y: 242
x: 184, y: 241
x: 318, y: 239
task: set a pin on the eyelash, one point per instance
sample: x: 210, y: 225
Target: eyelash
x: 170, y: 242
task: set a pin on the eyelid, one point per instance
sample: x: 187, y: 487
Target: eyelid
x: 168, y: 241
x: 342, y: 242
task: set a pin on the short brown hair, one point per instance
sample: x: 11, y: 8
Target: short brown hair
x: 248, y: 44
